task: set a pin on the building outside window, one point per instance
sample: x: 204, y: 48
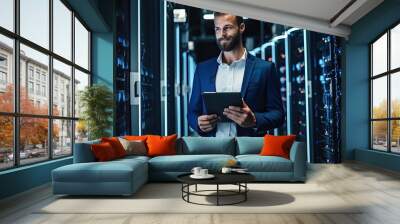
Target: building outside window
x: 30, y: 72
x: 43, y: 77
x: 43, y: 90
x: 30, y: 87
x: 3, y: 78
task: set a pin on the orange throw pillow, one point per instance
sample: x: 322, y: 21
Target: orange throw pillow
x: 135, y: 138
x: 277, y: 145
x: 103, y: 152
x: 161, y: 145
x: 116, y: 145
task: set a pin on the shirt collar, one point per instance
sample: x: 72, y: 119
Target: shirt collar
x: 243, y: 58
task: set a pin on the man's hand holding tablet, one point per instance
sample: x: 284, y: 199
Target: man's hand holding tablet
x: 207, y: 122
x: 243, y: 116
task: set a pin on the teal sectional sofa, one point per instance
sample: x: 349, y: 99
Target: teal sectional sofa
x: 125, y: 176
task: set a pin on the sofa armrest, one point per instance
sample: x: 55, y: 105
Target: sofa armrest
x: 83, y: 152
x: 298, y: 156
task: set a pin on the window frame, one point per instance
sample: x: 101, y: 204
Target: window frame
x: 16, y: 114
x: 388, y: 74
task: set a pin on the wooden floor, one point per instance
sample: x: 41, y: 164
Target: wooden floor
x: 377, y: 188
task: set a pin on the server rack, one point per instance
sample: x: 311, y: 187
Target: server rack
x: 122, y: 115
x: 150, y: 68
x: 310, y: 62
x: 280, y: 62
x: 325, y: 65
x: 296, y: 73
x: 268, y: 51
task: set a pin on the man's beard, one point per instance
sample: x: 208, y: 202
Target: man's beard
x: 229, y: 45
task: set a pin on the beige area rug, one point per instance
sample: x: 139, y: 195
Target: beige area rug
x: 166, y: 198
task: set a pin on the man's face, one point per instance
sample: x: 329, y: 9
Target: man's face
x: 227, y: 32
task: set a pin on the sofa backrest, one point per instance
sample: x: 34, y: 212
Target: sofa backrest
x: 190, y: 146
x: 249, y: 145
x: 83, y: 152
x: 206, y: 145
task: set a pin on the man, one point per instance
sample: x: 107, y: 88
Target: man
x: 236, y: 71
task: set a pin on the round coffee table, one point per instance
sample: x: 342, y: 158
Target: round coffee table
x: 238, y: 179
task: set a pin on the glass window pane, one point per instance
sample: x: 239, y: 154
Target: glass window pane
x: 81, y: 81
x: 6, y: 142
x: 62, y: 89
x: 34, y: 96
x: 379, y: 55
x: 395, y: 47
x: 379, y: 135
x: 379, y: 97
x: 33, y: 140
x: 395, y: 94
x: 81, y: 131
x: 6, y: 74
x: 62, y: 29
x: 62, y: 138
x: 395, y: 135
x: 81, y: 45
x: 35, y: 21
x: 7, y: 14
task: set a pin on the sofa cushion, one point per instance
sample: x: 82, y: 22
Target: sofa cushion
x: 103, y: 152
x: 116, y: 145
x: 206, y: 145
x: 135, y: 137
x: 185, y: 163
x: 277, y: 145
x: 249, y: 145
x: 257, y: 163
x: 111, y: 171
x: 135, y: 147
x: 161, y: 145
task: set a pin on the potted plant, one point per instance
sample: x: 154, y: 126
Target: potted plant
x: 96, y: 102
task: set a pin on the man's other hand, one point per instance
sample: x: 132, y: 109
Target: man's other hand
x: 243, y: 116
x: 207, y: 122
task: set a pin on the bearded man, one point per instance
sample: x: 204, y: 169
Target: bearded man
x: 234, y: 70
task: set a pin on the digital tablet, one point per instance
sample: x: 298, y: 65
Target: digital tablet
x: 216, y: 102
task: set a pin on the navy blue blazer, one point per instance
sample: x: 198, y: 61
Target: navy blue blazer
x: 260, y: 90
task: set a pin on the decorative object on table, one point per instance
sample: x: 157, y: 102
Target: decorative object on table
x: 96, y: 102
x: 196, y: 170
x: 202, y: 176
x: 226, y: 170
x: 232, y: 163
x: 236, y: 170
x: 200, y: 173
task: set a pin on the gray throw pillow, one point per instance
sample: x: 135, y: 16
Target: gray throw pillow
x: 137, y: 147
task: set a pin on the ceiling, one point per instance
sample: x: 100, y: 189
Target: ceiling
x: 325, y: 16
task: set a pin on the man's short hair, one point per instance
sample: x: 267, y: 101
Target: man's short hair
x: 239, y: 19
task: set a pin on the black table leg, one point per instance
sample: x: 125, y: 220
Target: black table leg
x: 188, y: 190
x: 245, y: 193
x: 217, y: 194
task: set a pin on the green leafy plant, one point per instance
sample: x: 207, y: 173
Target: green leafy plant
x: 96, y: 102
